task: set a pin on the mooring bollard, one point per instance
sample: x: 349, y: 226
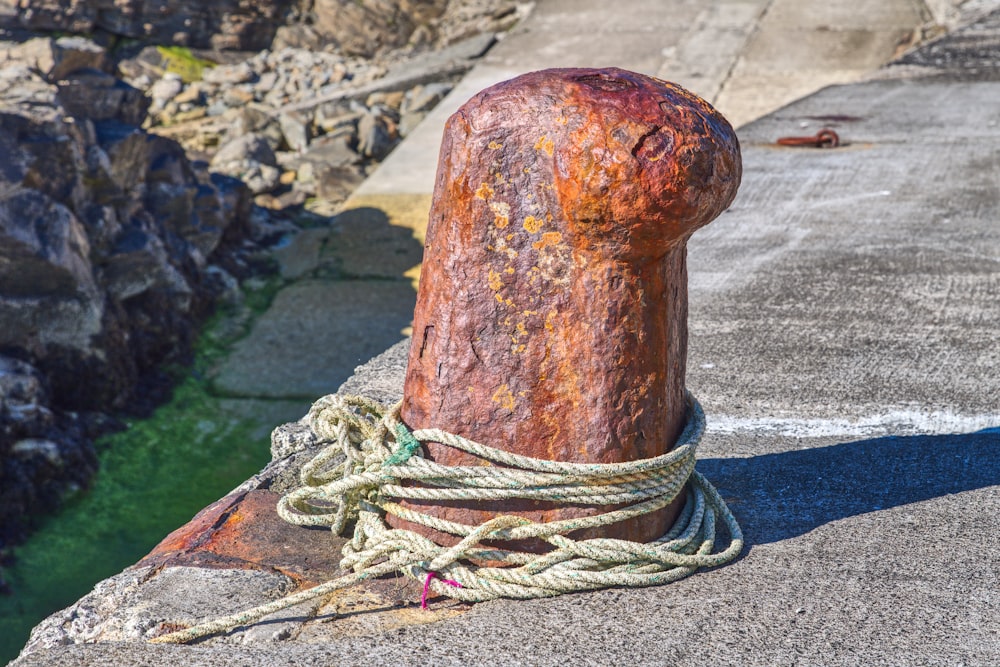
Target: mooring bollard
x: 551, y: 317
x: 551, y: 322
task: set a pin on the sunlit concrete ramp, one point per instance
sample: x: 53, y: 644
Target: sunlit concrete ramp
x: 843, y: 341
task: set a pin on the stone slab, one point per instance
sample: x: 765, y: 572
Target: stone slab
x: 313, y: 336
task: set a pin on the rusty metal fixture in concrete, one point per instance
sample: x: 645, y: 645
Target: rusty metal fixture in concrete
x: 825, y: 138
x: 551, y: 318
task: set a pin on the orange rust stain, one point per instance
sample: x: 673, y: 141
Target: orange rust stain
x: 503, y: 397
x: 532, y: 224
x: 484, y: 192
x: 548, y: 238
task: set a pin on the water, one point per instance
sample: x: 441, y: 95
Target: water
x: 153, y: 478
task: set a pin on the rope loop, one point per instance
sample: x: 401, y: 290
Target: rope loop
x: 372, y: 460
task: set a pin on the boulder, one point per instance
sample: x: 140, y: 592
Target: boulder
x: 367, y: 27
x: 251, y: 159
x: 96, y: 95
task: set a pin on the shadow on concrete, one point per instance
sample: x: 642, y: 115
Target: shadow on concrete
x: 350, y: 300
x: 779, y: 496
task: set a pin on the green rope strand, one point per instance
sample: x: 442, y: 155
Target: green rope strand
x: 372, y: 453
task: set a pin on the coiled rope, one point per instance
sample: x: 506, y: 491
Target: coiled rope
x: 358, y: 476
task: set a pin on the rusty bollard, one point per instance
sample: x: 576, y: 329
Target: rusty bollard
x: 551, y: 317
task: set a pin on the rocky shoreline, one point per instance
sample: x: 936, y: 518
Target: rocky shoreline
x: 145, y: 173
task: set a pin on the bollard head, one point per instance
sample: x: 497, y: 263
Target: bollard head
x: 551, y: 318
x: 639, y: 164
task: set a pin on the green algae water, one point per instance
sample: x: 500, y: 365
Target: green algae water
x: 153, y: 478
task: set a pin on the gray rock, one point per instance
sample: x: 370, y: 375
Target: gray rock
x: 251, y: 159
x: 418, y: 102
x: 95, y: 95
x: 242, y: 26
x: 38, y: 448
x: 377, y: 135
x: 56, y: 58
x: 332, y: 150
x: 423, y: 98
x: 44, y: 252
x: 367, y: 27
x: 296, y: 127
x: 250, y: 147
x: 228, y: 75
x: 335, y: 184
x: 165, y: 90
x: 140, y: 263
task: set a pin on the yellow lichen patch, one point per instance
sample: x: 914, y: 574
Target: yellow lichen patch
x: 503, y: 397
x: 548, y: 238
x: 518, y: 349
x: 521, y: 329
x: 494, y: 145
x: 509, y: 269
x: 562, y: 120
x: 484, y: 192
x: 545, y: 144
x: 502, y: 212
x: 532, y: 224
x: 494, y: 280
x: 549, y: 326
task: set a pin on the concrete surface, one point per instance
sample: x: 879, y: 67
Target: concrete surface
x: 843, y: 343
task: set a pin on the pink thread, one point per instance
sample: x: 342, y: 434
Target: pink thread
x: 427, y: 586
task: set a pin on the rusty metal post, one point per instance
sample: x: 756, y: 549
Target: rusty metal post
x: 551, y: 317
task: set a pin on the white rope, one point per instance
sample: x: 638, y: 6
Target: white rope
x: 361, y: 473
